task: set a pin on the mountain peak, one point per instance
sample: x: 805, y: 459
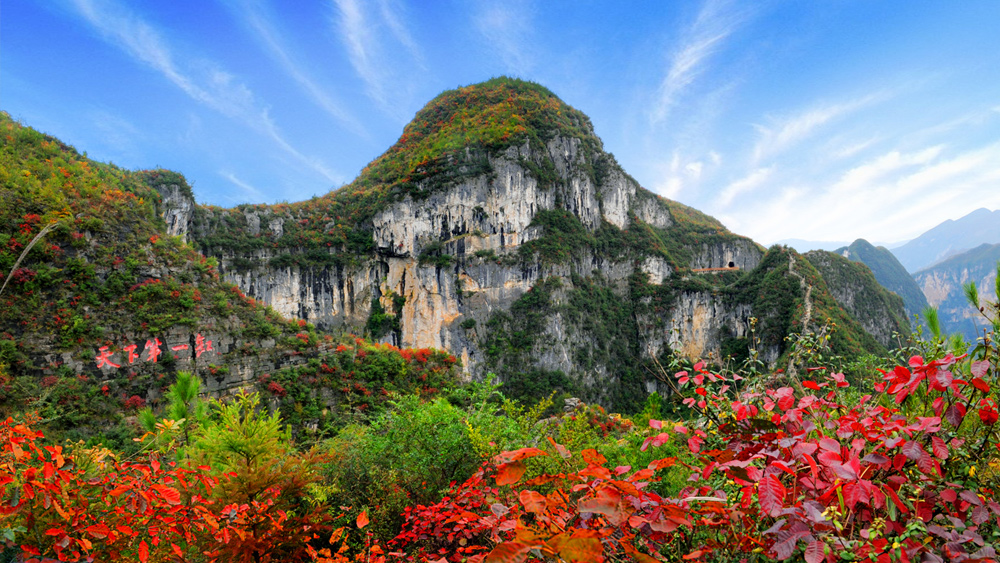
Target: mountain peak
x: 489, y: 116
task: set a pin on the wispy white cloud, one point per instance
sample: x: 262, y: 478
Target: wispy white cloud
x: 507, y: 28
x: 120, y: 134
x: 716, y: 21
x: 785, y: 133
x: 372, y: 54
x: 681, y: 173
x: 749, y: 183
x: 390, y: 12
x: 869, y: 174
x: 254, y: 13
x: 204, y: 81
x: 887, y: 199
x: 843, y: 150
x: 252, y: 193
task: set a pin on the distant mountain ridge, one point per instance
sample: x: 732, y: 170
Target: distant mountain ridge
x: 803, y: 245
x: 889, y: 273
x: 949, y: 238
x: 942, y: 284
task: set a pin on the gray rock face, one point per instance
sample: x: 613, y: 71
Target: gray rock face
x: 482, y: 223
x: 177, y: 210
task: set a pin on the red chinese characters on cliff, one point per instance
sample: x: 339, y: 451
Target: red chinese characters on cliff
x: 153, y: 350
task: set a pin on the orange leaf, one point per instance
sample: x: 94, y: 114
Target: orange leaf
x: 99, y: 531
x: 532, y: 501
x: 563, y: 452
x: 608, y: 502
x: 578, y: 547
x: 363, y: 519
x: 508, y: 552
x: 515, y: 455
x: 169, y: 494
x: 509, y: 473
x: 592, y: 457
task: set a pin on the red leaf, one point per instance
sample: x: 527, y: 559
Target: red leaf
x: 177, y: 550
x: 829, y: 444
x: 99, y: 531
x: 655, y: 441
x: 786, y: 398
x: 362, y: 519
x: 912, y: 449
x: 955, y: 413
x: 143, y: 552
x: 855, y: 493
x: 943, y: 378
x: 772, y: 495
x: 814, y: 552
x: 829, y: 459
x: 981, y: 385
x: 510, y: 472
x: 694, y: 443
x: 895, y: 499
x: 940, y: 450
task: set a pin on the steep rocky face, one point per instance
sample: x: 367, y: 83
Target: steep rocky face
x: 880, y: 312
x: 942, y: 284
x: 456, y: 255
x: 538, y: 259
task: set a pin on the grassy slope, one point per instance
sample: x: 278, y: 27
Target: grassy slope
x: 107, y: 275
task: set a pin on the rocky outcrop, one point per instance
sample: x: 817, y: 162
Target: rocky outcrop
x: 743, y: 254
x: 481, y: 223
x: 177, y: 209
x: 461, y: 246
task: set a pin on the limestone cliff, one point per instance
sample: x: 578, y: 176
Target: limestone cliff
x: 450, y: 243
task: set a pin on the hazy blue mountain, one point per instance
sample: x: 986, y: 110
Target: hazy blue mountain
x: 942, y: 284
x: 951, y: 237
x: 889, y: 273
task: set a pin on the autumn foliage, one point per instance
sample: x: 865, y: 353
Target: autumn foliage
x: 907, y: 473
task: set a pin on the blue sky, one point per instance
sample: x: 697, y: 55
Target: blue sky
x: 823, y: 120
